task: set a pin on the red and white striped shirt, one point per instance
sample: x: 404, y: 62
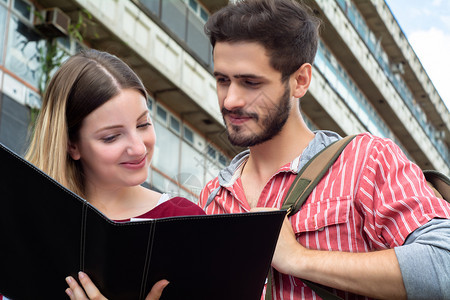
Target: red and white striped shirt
x: 371, y: 198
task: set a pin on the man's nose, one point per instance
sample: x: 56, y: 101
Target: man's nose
x: 234, y: 98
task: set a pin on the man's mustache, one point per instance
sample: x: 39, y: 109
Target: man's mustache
x: 240, y: 113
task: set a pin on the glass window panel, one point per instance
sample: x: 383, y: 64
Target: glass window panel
x: 2, y: 31
x: 192, y: 163
x: 203, y: 14
x: 173, y: 15
x: 152, y: 5
x: 161, y: 113
x: 188, y: 135
x: 174, y: 124
x: 34, y: 100
x: 166, y: 154
x: 22, y: 53
x: 223, y: 160
x: 14, y: 120
x: 23, y: 8
x: 64, y: 42
x: 211, y: 152
x: 193, y: 4
x: 150, y: 104
x: 196, y: 38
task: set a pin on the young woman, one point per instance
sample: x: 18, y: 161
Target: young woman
x: 94, y: 135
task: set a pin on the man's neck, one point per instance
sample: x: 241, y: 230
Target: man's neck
x: 273, y: 154
x: 267, y: 158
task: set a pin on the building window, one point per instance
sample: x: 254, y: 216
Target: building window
x: 150, y: 104
x: 24, y: 9
x: 167, y: 150
x: 14, y: 119
x: 161, y: 113
x: 2, y: 31
x: 23, y: 51
x: 211, y: 152
x: 203, y: 14
x: 175, y: 124
x: 192, y: 163
x: 193, y: 4
x: 188, y: 135
x: 223, y: 160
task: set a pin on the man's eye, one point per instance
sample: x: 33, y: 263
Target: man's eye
x: 252, y: 83
x: 222, y: 80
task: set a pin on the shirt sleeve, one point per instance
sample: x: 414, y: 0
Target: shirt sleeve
x: 394, y: 196
x: 424, y: 261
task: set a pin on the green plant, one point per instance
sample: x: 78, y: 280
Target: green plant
x: 52, y: 56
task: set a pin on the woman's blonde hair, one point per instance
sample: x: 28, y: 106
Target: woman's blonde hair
x: 82, y: 84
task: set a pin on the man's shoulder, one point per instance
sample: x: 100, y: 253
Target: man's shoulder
x: 367, y: 141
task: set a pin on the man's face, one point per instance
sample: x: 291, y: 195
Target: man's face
x: 255, y: 104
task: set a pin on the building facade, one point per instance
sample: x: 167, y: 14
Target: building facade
x: 366, y: 77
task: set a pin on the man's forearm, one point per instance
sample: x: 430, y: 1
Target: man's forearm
x: 374, y: 274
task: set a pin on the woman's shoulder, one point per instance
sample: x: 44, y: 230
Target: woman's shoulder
x: 172, y: 207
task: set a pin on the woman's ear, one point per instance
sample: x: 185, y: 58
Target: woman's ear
x: 300, y: 80
x: 73, y: 151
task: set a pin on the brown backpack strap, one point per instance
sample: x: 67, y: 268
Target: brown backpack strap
x: 305, y: 181
x: 308, y: 177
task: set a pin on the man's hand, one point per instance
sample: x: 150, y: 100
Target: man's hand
x: 287, y: 246
x: 75, y: 292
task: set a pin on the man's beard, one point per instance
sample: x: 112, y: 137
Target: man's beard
x: 271, y: 125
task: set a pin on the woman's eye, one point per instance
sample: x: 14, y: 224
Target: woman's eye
x: 144, y: 125
x: 110, y: 138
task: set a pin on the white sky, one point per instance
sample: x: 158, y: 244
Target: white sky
x: 426, y: 24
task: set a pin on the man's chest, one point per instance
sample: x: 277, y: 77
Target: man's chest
x: 242, y: 197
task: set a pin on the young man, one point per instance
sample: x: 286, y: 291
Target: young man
x: 371, y: 227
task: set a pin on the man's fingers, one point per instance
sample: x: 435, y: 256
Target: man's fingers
x: 258, y: 209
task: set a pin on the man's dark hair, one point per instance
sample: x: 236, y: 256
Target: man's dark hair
x: 287, y: 29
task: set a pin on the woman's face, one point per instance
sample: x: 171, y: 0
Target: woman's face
x: 116, y: 142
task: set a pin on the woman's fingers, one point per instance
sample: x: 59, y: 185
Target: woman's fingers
x: 157, y: 290
x: 75, y: 292
x: 90, y: 291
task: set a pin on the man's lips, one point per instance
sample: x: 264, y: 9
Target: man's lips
x: 235, y: 119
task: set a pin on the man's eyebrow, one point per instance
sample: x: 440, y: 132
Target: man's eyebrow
x: 248, y: 76
x: 239, y: 75
x: 219, y: 74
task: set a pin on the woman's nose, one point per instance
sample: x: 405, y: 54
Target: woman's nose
x: 136, y: 146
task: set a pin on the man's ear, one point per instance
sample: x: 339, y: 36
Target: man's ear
x: 300, y: 80
x: 74, y: 152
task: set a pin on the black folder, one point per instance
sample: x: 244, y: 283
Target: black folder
x: 47, y: 233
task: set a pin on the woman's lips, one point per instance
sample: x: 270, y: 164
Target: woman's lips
x: 135, y: 164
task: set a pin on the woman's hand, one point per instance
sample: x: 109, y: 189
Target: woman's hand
x: 76, y: 292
